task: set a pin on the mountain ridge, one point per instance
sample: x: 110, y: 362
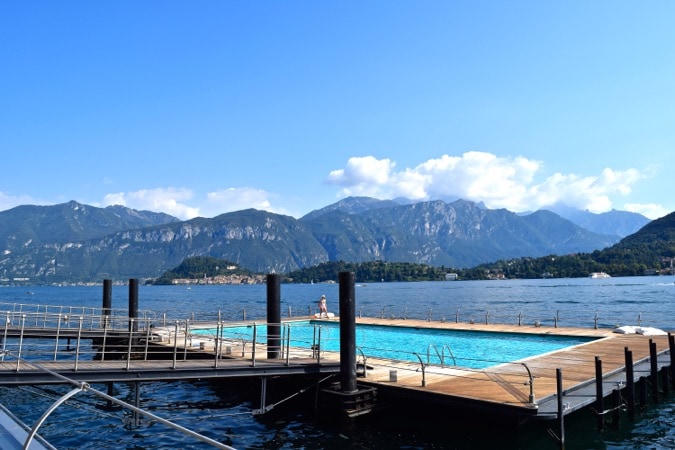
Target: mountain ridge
x: 89, y: 243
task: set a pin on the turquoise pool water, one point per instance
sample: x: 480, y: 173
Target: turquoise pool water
x: 473, y: 349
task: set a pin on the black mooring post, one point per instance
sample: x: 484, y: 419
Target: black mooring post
x: 107, y: 298
x: 111, y: 392
x: 642, y: 391
x: 133, y: 304
x: 273, y: 316
x: 630, y: 383
x: 599, y: 395
x: 561, y: 410
x: 347, y: 332
x: 664, y: 381
x: 671, y: 345
x: 654, y: 375
x: 616, y: 407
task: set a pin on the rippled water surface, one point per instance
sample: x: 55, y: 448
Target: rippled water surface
x: 223, y: 412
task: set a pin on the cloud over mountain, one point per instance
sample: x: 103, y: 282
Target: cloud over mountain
x: 514, y: 183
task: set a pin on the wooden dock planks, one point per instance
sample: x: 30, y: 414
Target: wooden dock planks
x: 509, y: 384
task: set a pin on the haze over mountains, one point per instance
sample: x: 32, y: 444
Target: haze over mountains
x: 72, y: 242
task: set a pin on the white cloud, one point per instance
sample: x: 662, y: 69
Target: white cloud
x: 10, y: 201
x: 175, y: 201
x: 236, y: 199
x: 649, y: 210
x: 499, y: 182
x: 167, y: 200
x: 365, y: 176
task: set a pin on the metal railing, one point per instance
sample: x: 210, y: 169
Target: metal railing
x: 133, y: 340
x: 537, y: 318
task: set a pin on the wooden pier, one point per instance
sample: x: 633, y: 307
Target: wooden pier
x: 526, y: 389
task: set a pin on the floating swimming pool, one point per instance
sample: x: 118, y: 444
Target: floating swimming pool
x: 472, y: 349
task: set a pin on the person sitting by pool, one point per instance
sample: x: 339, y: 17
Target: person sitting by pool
x: 323, y: 308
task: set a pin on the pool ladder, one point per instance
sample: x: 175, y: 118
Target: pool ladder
x: 440, y: 354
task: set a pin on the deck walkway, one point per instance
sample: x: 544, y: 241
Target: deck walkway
x: 506, y: 388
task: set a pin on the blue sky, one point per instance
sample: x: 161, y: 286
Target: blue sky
x: 201, y: 108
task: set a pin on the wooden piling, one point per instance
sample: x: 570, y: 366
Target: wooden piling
x: 347, y: 332
x: 630, y: 384
x: 642, y: 391
x: 107, y: 302
x: 273, y: 316
x: 561, y: 409
x: 599, y: 398
x: 616, y: 407
x: 654, y: 375
x: 133, y: 304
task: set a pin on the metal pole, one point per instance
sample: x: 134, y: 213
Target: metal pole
x: 561, y: 410
x: 103, y: 344
x: 255, y: 341
x: 56, y: 342
x: 79, y: 338
x: 187, y: 330
x: 347, y: 332
x: 107, y: 302
x: 133, y: 301
x: 216, y: 340
x: 4, y: 338
x: 131, y: 338
x: 175, y: 345
x: 654, y: 376
x: 616, y: 403
x: 273, y: 315
x: 599, y: 399
x: 23, y: 324
x: 630, y: 383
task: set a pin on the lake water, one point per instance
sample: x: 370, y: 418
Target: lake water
x: 224, y: 413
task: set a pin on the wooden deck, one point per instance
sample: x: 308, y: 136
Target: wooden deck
x: 507, y: 385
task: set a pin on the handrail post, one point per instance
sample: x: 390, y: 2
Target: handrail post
x: 105, y: 338
x: 288, y: 344
x: 187, y: 328
x: 216, y: 340
x: 131, y: 337
x: 424, y: 378
x: 530, y: 382
x: 23, y: 324
x: 147, y: 341
x: 58, y: 331
x: 4, y: 339
x: 79, y: 337
x: 365, y: 361
x: 454, y: 361
x: 318, y: 346
x: 175, y: 345
x: 255, y: 341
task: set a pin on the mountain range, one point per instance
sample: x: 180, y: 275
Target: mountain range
x: 72, y: 242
